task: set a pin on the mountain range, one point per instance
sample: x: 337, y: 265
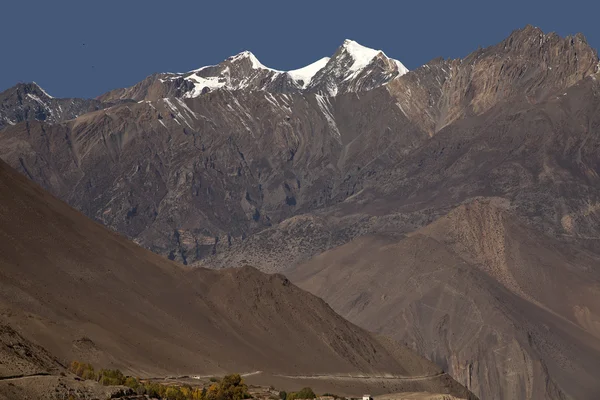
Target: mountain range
x: 352, y: 68
x: 453, y: 207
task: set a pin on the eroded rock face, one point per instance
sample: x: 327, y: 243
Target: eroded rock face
x: 185, y: 177
x: 527, y: 65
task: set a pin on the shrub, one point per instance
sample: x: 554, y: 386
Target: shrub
x: 152, y: 389
x: 89, y: 374
x: 111, y: 377
x: 174, y: 393
x: 283, y: 395
x: 132, y: 382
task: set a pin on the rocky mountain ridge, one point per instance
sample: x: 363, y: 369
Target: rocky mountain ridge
x: 28, y: 101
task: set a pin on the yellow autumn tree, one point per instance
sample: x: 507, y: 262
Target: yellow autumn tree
x: 231, y: 387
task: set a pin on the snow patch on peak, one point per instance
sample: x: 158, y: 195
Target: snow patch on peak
x: 249, y: 56
x: 197, y: 70
x: 211, y: 82
x: 401, y: 68
x: 362, y: 55
x: 42, y: 90
x: 306, y: 74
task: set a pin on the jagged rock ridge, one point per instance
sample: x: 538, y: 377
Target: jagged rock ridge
x: 28, y: 101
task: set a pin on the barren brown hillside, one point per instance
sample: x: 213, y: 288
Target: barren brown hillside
x: 514, y: 312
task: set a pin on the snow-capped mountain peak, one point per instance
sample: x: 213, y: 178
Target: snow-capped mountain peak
x: 363, y: 56
x: 353, y: 68
x: 304, y: 75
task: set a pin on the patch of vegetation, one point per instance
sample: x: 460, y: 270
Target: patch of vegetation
x: 111, y: 377
x: 305, y: 393
x: 83, y: 370
x: 231, y: 387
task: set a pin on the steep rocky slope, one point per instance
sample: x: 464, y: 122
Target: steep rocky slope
x: 532, y: 154
x: 185, y: 176
x: 509, y: 312
x: 19, y: 356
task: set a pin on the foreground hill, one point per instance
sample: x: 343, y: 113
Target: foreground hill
x: 82, y: 292
x: 508, y: 311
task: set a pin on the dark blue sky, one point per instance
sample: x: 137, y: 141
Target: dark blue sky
x: 127, y: 40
